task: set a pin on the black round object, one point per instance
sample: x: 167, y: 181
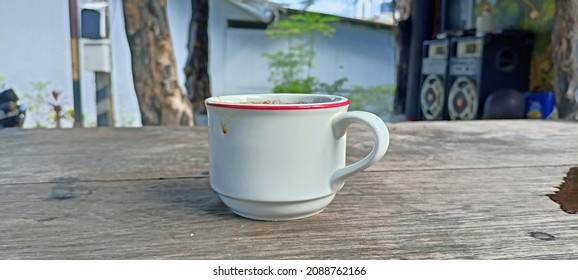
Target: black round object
x: 505, y: 104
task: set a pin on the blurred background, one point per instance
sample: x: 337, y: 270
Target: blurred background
x: 89, y: 63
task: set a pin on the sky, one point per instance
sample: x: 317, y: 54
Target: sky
x: 335, y: 7
x: 343, y: 8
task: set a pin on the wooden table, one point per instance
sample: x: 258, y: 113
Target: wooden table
x: 445, y: 190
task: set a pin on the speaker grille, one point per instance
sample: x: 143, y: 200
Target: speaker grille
x: 463, y: 100
x: 432, y: 97
x: 506, y: 60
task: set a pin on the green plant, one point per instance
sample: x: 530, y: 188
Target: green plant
x: 36, y: 104
x: 376, y: 99
x: 290, y: 70
x: 2, y: 82
x: 58, y: 112
x: 89, y: 123
x: 45, y: 107
x: 126, y: 121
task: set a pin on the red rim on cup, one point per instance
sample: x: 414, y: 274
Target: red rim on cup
x: 278, y: 101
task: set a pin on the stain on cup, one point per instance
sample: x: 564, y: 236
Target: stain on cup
x: 224, y: 128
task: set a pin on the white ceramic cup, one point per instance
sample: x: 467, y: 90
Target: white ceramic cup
x: 283, y: 160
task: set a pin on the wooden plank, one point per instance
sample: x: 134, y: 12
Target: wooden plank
x: 35, y: 156
x: 475, y: 144
x: 497, y: 213
x: 63, y: 142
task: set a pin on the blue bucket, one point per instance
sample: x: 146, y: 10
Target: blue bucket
x: 541, y: 105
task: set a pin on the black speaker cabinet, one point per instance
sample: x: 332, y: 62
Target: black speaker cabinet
x: 481, y: 65
x: 434, y: 79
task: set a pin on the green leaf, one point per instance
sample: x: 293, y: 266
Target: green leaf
x: 289, y: 70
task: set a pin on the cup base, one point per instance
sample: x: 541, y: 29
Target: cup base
x: 276, y: 211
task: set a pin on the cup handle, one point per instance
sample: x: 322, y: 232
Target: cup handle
x: 380, y: 137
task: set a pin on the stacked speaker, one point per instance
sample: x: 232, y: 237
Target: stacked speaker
x: 434, y: 79
x: 476, y: 67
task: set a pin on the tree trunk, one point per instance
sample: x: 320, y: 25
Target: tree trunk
x: 564, y: 57
x: 161, y: 100
x: 197, y: 67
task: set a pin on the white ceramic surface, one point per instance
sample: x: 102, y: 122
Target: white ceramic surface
x: 283, y: 161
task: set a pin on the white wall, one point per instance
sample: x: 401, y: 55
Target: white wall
x: 363, y: 54
x: 221, y: 47
x: 34, y: 46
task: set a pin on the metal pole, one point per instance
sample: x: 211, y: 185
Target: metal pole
x: 422, y: 12
x: 73, y: 16
x: 104, y: 114
x: 104, y: 108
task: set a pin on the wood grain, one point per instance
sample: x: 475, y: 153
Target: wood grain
x: 378, y: 215
x: 459, y: 190
x: 33, y: 156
